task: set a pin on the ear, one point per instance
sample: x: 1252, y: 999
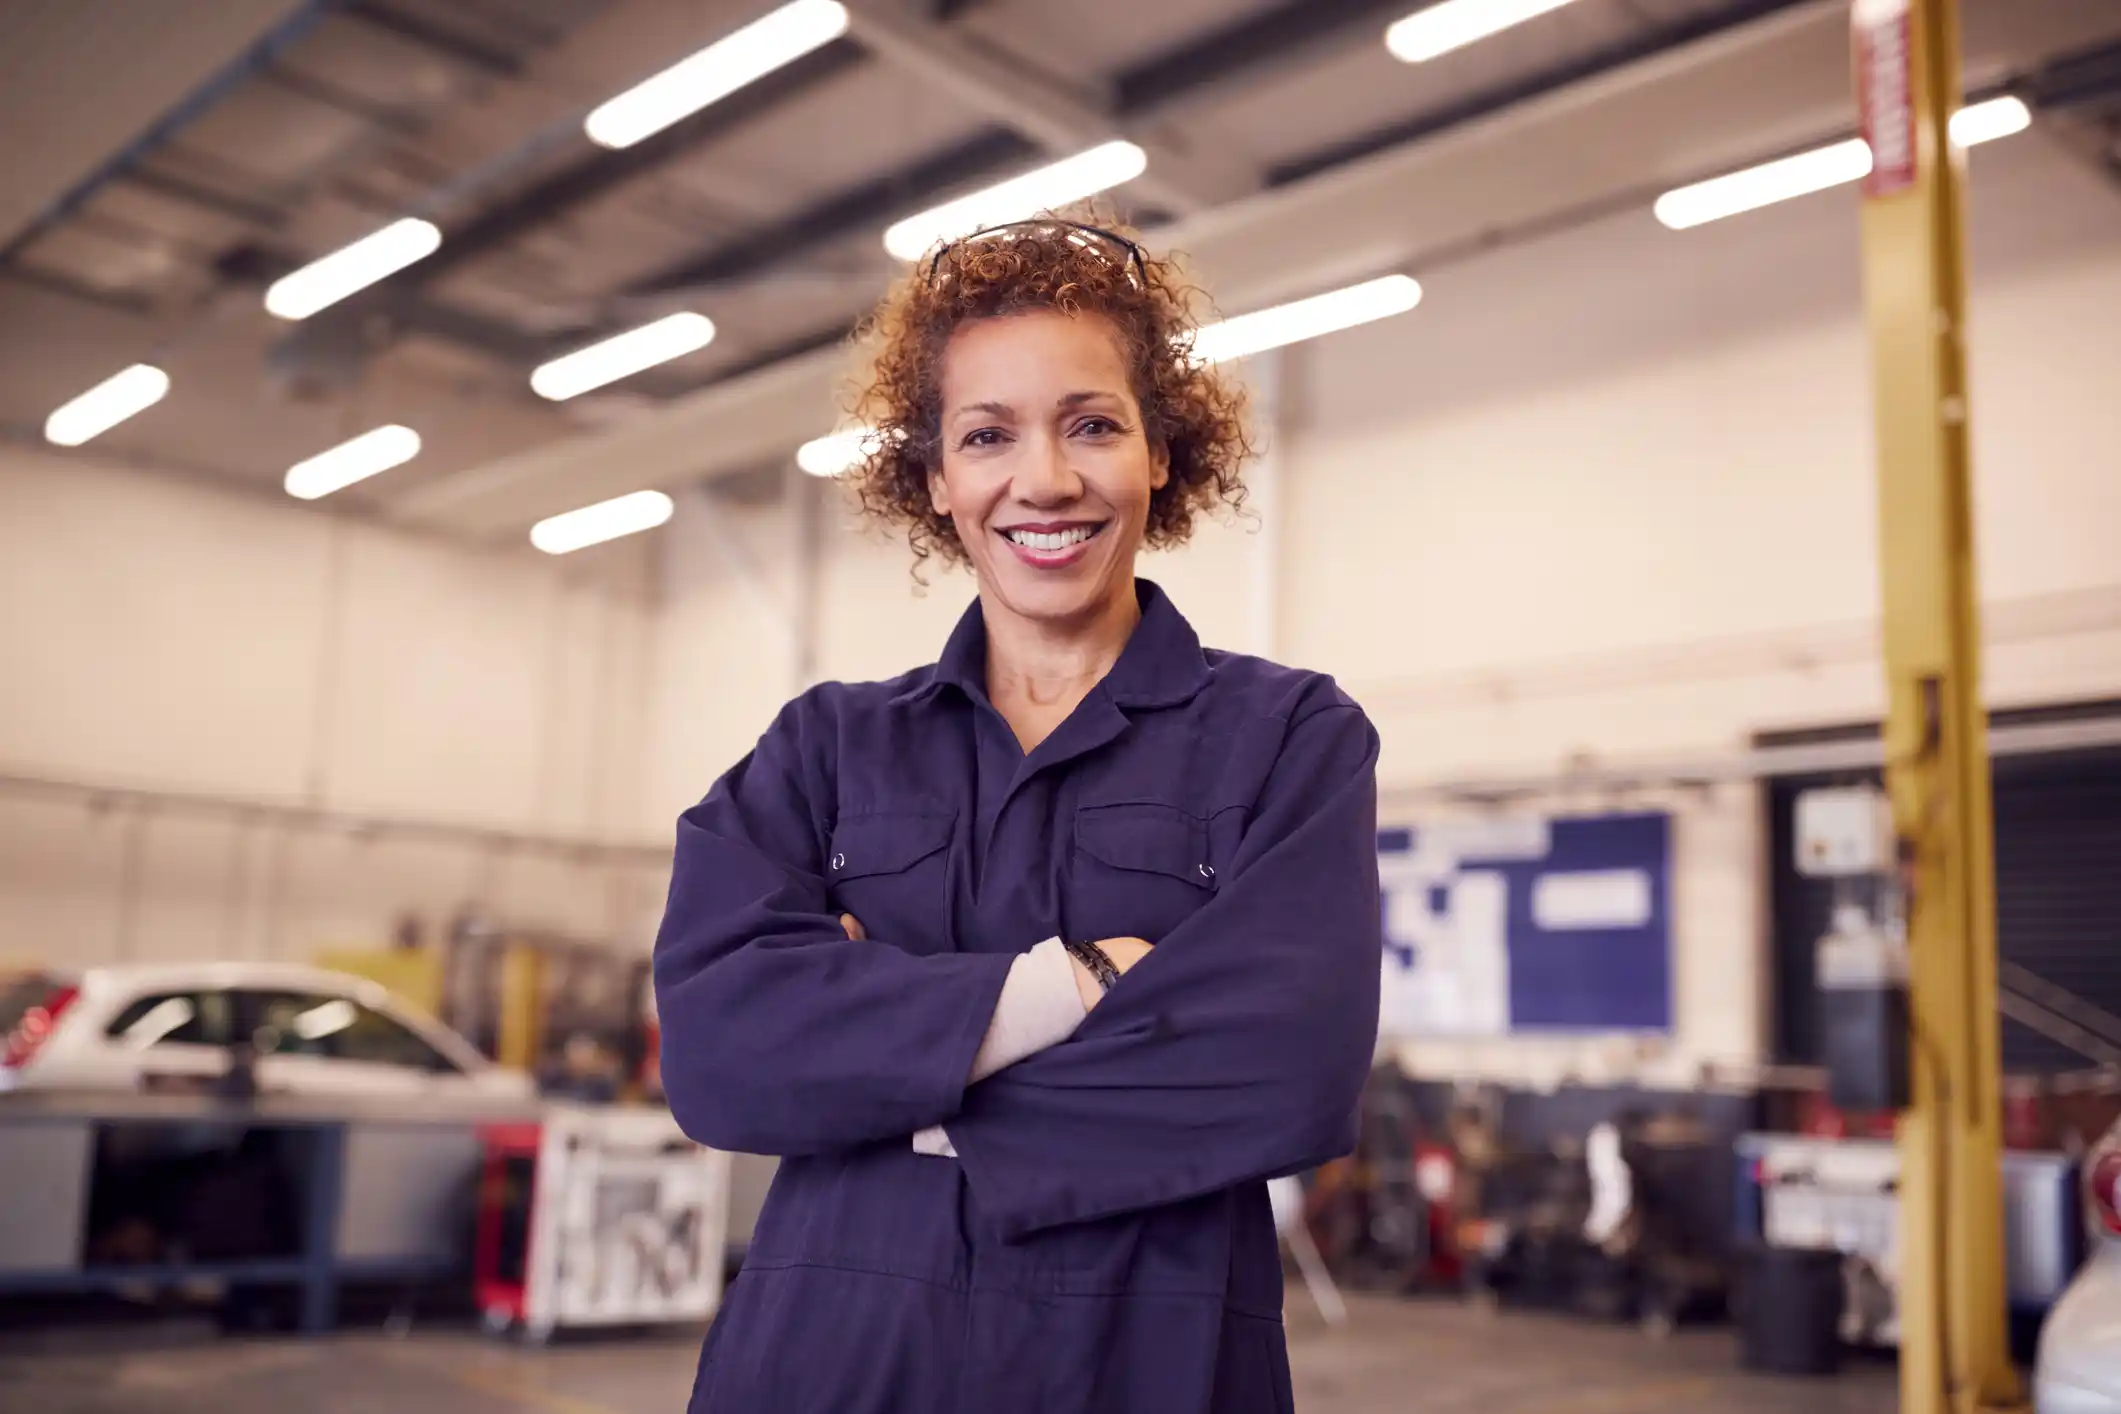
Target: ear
x: 938, y: 490
x: 1159, y: 463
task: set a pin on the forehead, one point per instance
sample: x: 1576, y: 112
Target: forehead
x: 1033, y: 356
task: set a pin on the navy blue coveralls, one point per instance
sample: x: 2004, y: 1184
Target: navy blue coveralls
x: 1103, y: 1243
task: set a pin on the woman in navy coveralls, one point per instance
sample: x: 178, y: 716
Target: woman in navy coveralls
x: 1033, y: 964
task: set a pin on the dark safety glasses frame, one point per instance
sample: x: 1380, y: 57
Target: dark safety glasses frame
x: 1136, y: 258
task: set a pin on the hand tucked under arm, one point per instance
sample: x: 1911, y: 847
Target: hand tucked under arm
x: 1047, y: 995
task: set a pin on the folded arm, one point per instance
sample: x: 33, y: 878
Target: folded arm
x: 1238, y: 1048
x: 780, y: 1033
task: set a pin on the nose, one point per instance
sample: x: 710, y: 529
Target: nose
x: 1044, y: 474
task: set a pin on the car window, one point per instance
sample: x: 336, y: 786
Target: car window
x: 191, y: 1018
x: 339, y: 1028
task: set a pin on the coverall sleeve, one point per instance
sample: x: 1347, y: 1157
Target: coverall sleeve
x: 779, y: 1036
x: 1238, y: 1048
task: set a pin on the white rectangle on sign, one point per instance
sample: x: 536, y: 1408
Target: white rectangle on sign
x: 1596, y: 898
x: 1490, y: 838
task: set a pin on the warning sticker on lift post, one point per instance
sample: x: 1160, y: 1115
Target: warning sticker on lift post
x: 1885, y: 92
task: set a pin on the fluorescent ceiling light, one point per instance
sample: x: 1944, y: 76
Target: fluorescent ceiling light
x: 715, y: 72
x: 1770, y: 182
x: 623, y: 355
x: 124, y: 394
x: 836, y: 452
x: 1307, y: 318
x: 606, y: 520
x: 1986, y: 121
x: 1831, y: 166
x: 352, y: 461
x: 1456, y: 23
x: 323, y: 283
x: 1046, y: 189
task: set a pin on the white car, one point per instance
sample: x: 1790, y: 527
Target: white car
x: 172, y: 1028
x: 2079, y: 1366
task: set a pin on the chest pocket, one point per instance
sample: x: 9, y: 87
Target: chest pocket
x: 1139, y: 871
x: 890, y: 869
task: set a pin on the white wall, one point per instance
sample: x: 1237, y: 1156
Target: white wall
x: 165, y: 638
x: 1610, y: 495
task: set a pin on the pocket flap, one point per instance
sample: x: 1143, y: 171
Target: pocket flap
x: 1153, y: 839
x: 884, y: 843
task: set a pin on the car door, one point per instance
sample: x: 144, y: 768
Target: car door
x: 330, y: 1045
x: 170, y: 1041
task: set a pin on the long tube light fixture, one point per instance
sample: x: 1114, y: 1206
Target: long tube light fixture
x: 1454, y: 24
x: 606, y: 520
x: 1306, y: 318
x: 325, y: 281
x: 622, y: 355
x: 1045, y: 188
x: 739, y: 58
x: 374, y: 451
x: 124, y: 394
x: 1836, y: 164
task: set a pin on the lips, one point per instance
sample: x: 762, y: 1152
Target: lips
x: 1049, y: 539
x: 1050, y: 545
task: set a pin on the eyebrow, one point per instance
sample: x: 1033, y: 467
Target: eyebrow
x: 1067, y: 400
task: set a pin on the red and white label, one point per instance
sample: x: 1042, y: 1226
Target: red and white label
x: 1885, y: 92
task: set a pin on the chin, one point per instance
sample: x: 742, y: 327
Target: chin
x: 1050, y: 597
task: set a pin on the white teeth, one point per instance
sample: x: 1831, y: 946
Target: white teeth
x: 1051, y: 540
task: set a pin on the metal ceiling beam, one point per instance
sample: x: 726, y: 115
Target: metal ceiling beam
x: 1654, y: 40
x: 1291, y: 34
x: 868, y: 206
x: 592, y: 175
x: 1045, y: 109
x: 446, y: 42
x: 282, y: 37
x: 598, y: 171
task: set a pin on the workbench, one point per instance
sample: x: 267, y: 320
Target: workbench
x: 380, y: 1190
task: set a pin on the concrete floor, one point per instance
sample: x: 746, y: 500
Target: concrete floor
x: 1392, y: 1356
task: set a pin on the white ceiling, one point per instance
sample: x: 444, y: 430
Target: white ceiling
x: 81, y: 78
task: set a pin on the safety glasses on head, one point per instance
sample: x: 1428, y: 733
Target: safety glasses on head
x: 1110, y: 244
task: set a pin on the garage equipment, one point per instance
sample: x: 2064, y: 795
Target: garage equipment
x: 598, y: 1217
x: 1790, y: 1311
x: 1955, y: 1345
x: 1844, y: 1196
x: 370, y: 1195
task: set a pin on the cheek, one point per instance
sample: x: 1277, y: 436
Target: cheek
x: 966, y: 492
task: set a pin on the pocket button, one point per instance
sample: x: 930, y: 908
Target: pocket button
x: 839, y: 861
x: 1207, y: 871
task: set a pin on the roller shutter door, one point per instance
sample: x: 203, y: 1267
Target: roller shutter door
x: 2058, y: 896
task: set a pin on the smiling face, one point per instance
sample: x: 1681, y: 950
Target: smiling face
x: 1046, y: 468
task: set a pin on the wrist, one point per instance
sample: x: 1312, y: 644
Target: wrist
x: 1093, y: 959
x: 1086, y: 987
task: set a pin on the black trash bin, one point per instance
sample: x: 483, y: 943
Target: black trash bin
x: 1789, y: 1319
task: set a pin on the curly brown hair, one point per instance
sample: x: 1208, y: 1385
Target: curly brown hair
x: 1044, y: 264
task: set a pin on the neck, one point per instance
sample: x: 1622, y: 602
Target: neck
x: 1055, y: 663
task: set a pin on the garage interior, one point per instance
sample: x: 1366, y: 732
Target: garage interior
x: 1665, y: 527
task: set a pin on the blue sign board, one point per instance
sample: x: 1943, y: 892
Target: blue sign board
x: 1526, y: 923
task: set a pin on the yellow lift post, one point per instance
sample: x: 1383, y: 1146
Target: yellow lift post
x: 1954, y: 1350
